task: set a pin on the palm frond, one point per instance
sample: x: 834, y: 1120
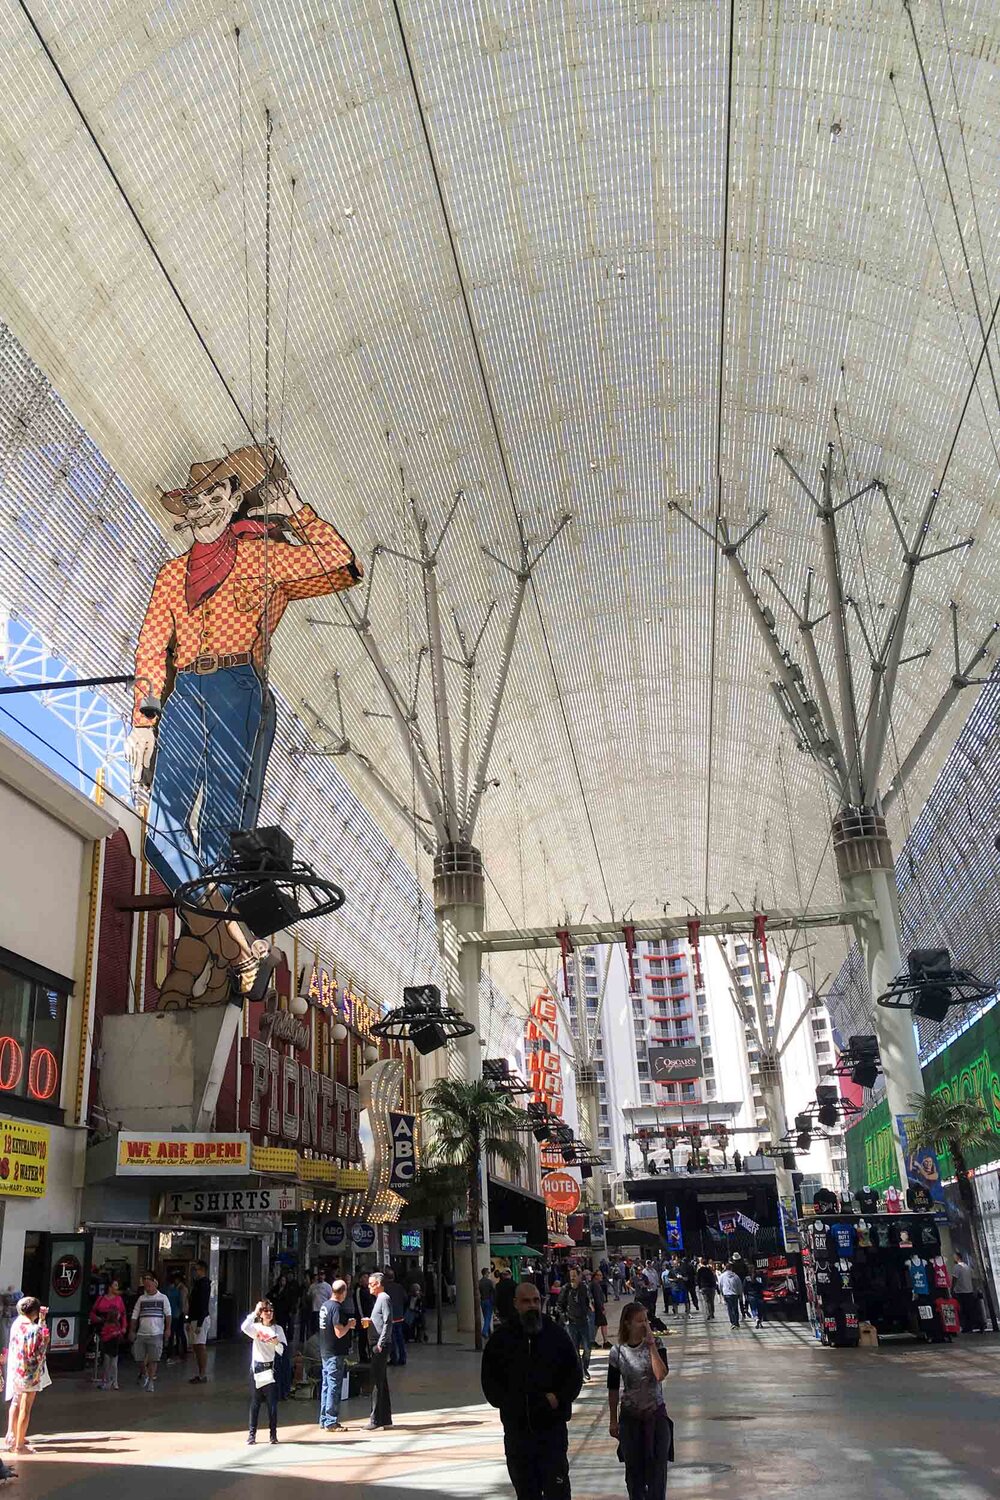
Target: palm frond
x: 939, y: 1120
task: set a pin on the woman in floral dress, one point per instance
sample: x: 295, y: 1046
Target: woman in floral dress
x: 27, y: 1372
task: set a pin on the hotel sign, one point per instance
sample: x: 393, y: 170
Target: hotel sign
x: 674, y: 1064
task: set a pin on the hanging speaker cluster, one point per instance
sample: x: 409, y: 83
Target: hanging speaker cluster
x: 261, y: 884
x: 423, y: 1020
x: 932, y: 985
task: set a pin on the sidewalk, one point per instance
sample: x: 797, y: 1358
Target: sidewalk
x: 759, y: 1416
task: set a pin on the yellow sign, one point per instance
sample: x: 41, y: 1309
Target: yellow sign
x: 275, y: 1159
x: 188, y: 1155
x: 352, y: 1179
x: 24, y: 1159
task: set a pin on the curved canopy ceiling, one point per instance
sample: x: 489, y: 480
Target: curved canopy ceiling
x: 583, y: 258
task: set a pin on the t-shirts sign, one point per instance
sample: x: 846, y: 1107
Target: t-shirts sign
x: 401, y: 1131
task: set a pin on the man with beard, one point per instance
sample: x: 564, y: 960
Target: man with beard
x: 532, y: 1373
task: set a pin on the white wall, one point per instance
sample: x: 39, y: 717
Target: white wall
x: 48, y: 832
x: 42, y: 876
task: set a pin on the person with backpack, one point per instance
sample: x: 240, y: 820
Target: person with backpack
x: 577, y: 1307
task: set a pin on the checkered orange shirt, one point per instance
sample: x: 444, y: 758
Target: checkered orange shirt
x: 232, y: 619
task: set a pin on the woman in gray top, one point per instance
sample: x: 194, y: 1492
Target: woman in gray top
x: 637, y: 1366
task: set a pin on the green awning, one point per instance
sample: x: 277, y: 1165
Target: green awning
x: 514, y: 1252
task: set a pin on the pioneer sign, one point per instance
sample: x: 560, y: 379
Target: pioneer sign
x: 295, y: 1106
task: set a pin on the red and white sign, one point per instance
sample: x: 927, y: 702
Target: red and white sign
x: 561, y: 1192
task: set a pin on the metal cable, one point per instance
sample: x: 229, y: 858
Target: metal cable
x: 724, y: 277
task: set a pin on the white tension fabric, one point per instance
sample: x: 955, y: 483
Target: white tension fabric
x: 634, y: 224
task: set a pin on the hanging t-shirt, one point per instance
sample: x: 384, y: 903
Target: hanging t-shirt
x: 828, y: 1279
x: 842, y: 1237
x: 868, y: 1200
x: 917, y: 1272
x: 893, y: 1201
x: 939, y: 1273
x: 864, y: 1234
x: 904, y: 1238
x: 844, y: 1267
x: 881, y: 1235
x: 928, y: 1237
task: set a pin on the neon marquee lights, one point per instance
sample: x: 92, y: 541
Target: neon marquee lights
x: 43, y: 1069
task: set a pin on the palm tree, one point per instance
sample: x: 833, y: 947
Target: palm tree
x: 435, y: 1193
x: 471, y: 1123
x: 960, y: 1127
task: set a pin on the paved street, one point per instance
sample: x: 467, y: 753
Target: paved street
x: 757, y: 1414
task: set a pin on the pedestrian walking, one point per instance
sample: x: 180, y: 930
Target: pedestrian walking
x: 599, y: 1297
x: 268, y: 1337
x: 576, y: 1306
x: 317, y: 1295
x: 742, y: 1269
x: 690, y: 1282
x: 199, y: 1319
x: 637, y: 1368
x: 731, y: 1287
x: 379, y: 1340
x: 753, y: 1291
x: 396, y: 1293
x: 708, y: 1286
x: 27, y: 1371
x: 335, y: 1329
x: 503, y: 1297
x: 175, y: 1292
x: 149, y: 1330
x: 651, y: 1277
x: 109, y: 1318
x: 486, y: 1289
x: 965, y: 1294
x: 532, y: 1375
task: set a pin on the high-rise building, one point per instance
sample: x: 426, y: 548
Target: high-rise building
x: 680, y: 999
x: 598, y: 1028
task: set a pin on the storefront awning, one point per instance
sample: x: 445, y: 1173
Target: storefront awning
x: 514, y: 1252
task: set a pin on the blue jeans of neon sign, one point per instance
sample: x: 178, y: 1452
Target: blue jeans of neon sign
x: 213, y: 743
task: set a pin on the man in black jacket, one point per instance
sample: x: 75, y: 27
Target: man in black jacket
x: 503, y: 1299
x: 532, y: 1373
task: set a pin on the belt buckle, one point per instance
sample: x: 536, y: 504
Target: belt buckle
x: 206, y: 665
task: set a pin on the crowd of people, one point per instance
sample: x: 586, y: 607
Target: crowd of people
x: 577, y: 1296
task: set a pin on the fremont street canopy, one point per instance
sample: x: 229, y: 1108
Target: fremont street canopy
x: 596, y: 260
